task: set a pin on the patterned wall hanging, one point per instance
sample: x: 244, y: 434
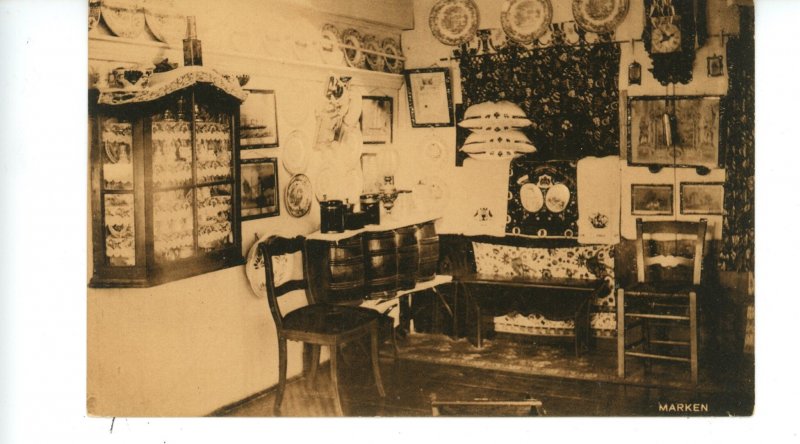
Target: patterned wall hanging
x: 737, y: 140
x: 542, y: 199
x: 570, y: 93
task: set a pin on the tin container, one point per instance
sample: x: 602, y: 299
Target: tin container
x: 370, y: 206
x: 331, y: 216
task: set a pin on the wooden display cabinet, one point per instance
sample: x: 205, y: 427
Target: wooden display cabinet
x: 164, y: 183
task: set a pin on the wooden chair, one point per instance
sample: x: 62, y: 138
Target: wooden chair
x: 669, y: 256
x: 316, y: 324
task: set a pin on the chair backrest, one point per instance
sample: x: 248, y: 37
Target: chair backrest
x: 670, y: 251
x: 279, y: 246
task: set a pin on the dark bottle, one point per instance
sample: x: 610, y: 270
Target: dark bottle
x: 192, y: 51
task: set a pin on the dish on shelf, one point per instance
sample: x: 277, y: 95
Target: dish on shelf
x: 531, y: 197
x: 295, y: 153
x: 526, y: 20
x: 94, y: 13
x: 124, y: 19
x: 454, y: 22
x: 353, y: 54
x: 557, y: 198
x: 166, y: 25
x: 329, y: 46
x: 374, y: 58
x: 298, y: 195
x: 599, y: 17
x: 393, y: 56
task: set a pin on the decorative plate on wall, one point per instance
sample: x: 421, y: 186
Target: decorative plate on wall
x: 295, y: 153
x: 298, y: 196
x: 391, y: 48
x: 526, y: 20
x: 353, y: 54
x: 531, y: 197
x: 329, y: 45
x: 600, y: 16
x: 123, y: 19
x: 375, y: 60
x: 454, y: 22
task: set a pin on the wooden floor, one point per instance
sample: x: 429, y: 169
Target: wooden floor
x: 410, y: 383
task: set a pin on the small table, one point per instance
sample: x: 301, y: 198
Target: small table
x: 574, y: 298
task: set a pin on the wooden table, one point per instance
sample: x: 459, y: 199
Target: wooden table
x: 569, y: 298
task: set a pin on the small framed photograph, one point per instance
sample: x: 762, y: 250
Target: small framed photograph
x: 259, y: 188
x: 376, y: 119
x: 714, y: 66
x: 258, y: 120
x: 702, y: 198
x: 430, y: 98
x: 652, y: 200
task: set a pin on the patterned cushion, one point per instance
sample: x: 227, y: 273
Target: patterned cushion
x: 494, y: 116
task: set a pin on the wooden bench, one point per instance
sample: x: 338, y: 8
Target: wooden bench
x: 567, y: 298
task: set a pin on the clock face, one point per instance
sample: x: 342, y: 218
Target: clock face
x: 666, y: 35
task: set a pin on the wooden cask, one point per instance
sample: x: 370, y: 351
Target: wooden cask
x: 345, y: 270
x: 407, y: 257
x: 428, y: 243
x: 380, y: 264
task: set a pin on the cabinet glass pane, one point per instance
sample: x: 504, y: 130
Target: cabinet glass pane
x: 213, y: 150
x: 173, y: 230
x: 214, y: 213
x: 116, y: 139
x: 172, y: 152
x: 119, y: 230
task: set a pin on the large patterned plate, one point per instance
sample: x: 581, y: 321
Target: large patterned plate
x: 124, y: 19
x: 353, y: 54
x: 526, y: 20
x: 295, y: 153
x: 391, y: 48
x: 298, y: 196
x: 454, y: 22
x: 599, y: 16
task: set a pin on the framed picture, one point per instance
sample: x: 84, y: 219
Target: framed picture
x: 258, y: 120
x: 376, y: 119
x: 673, y: 131
x: 651, y: 200
x: 702, y: 198
x: 259, y: 188
x: 430, y: 98
x: 714, y: 66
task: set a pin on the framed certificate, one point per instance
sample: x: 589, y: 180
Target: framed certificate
x: 430, y: 98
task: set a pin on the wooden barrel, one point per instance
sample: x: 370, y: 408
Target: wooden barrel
x: 380, y: 264
x: 428, y: 243
x: 345, y: 270
x: 407, y: 257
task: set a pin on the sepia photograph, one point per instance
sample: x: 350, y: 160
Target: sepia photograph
x: 428, y: 262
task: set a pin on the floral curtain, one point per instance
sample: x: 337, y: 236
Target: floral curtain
x: 737, y: 114
x: 569, y: 92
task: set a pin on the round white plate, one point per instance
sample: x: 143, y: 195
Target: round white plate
x: 557, y: 198
x: 531, y: 197
x: 298, y: 196
x: 295, y: 152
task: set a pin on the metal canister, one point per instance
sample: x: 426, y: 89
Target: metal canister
x: 370, y: 206
x: 331, y: 216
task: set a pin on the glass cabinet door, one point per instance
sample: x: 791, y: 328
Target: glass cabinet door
x: 116, y: 140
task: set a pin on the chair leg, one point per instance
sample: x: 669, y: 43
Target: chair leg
x: 376, y: 369
x: 335, y: 381
x: 693, y: 335
x: 312, y: 374
x: 281, y: 376
x: 621, y: 333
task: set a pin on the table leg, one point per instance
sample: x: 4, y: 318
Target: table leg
x: 405, y: 314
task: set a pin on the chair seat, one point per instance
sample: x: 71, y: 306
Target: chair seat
x: 660, y: 289
x: 328, y: 319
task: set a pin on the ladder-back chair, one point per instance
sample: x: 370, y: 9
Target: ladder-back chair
x: 316, y: 324
x: 669, y: 257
